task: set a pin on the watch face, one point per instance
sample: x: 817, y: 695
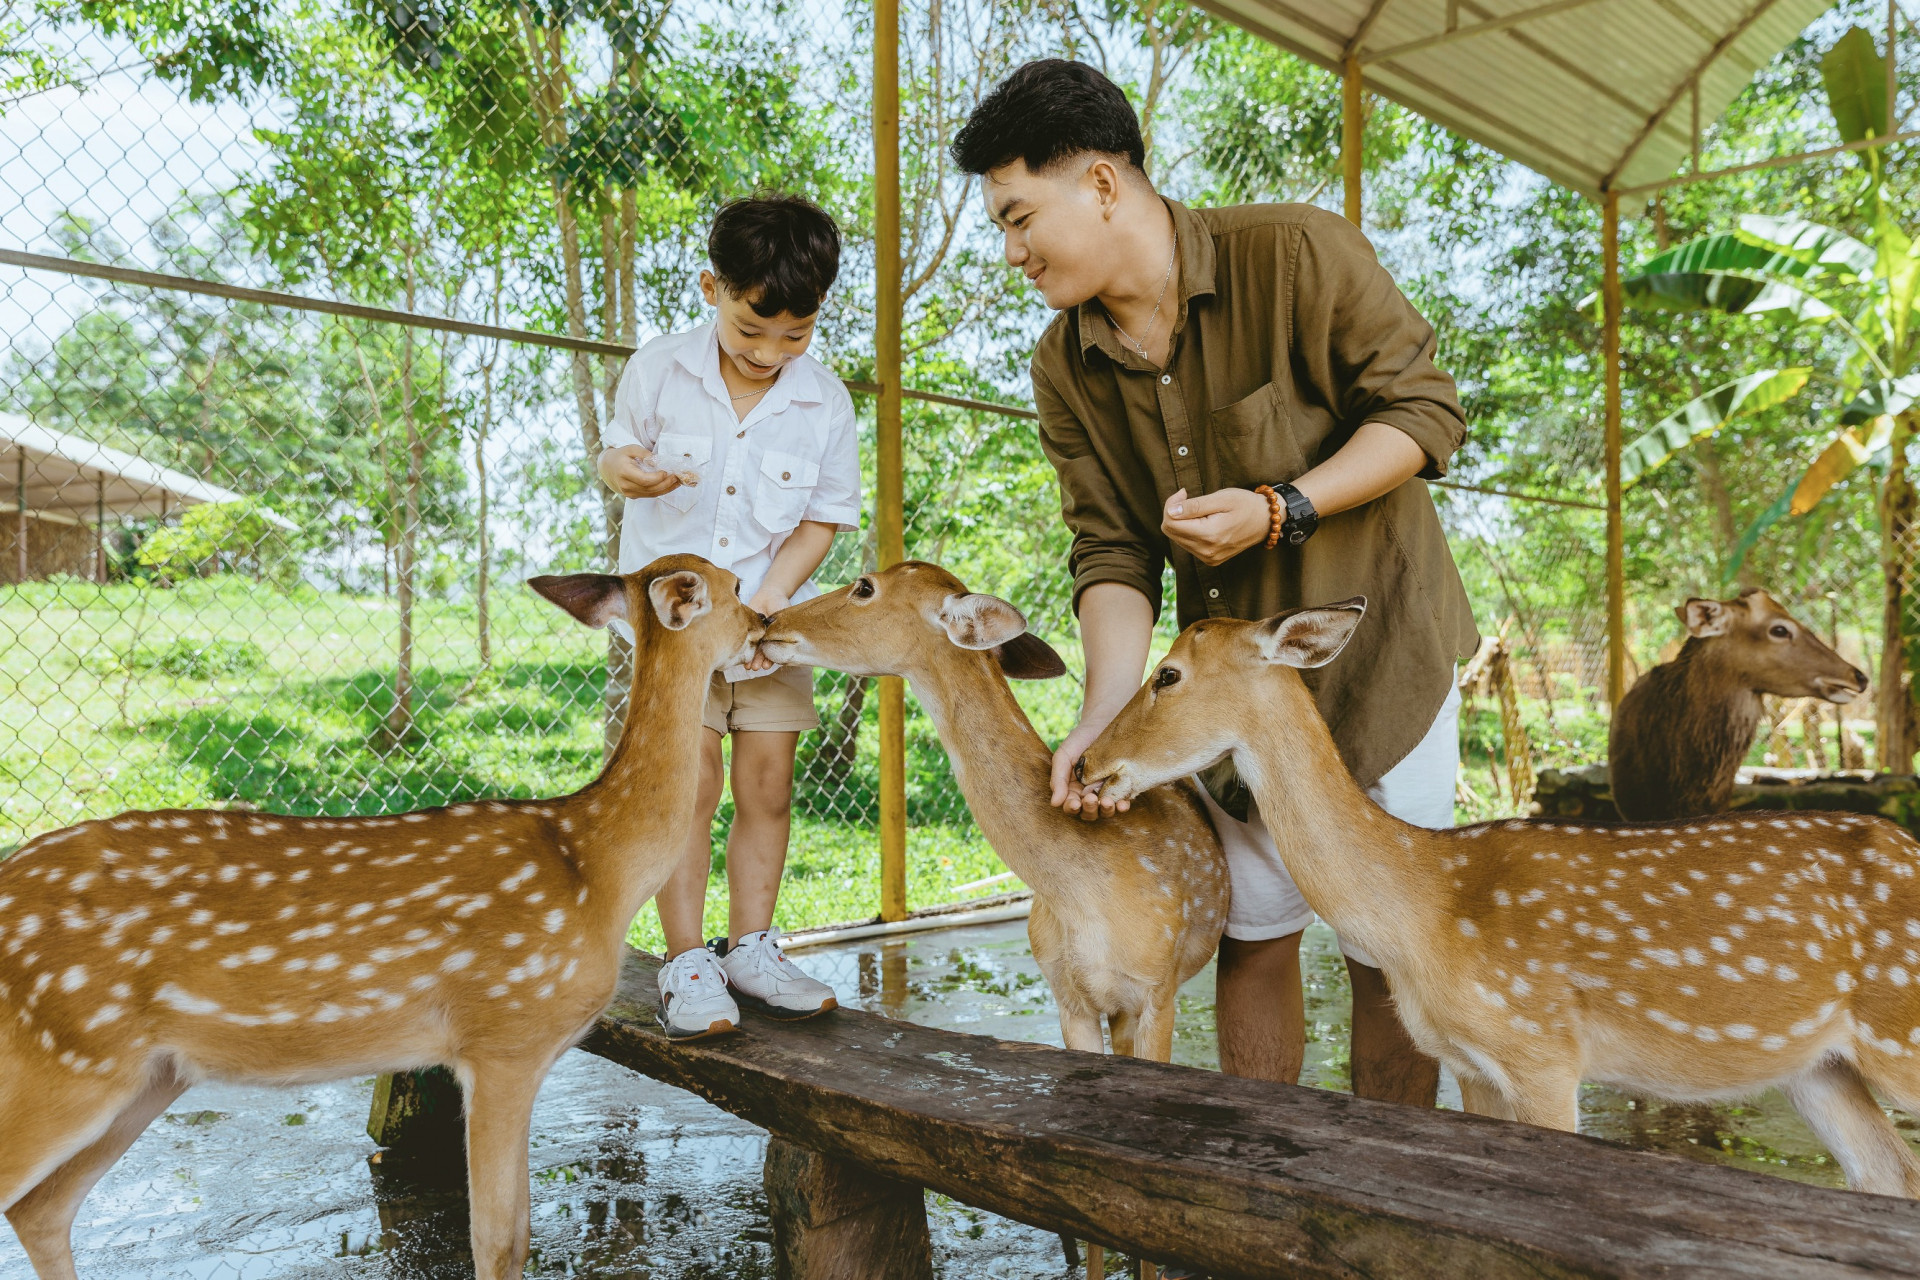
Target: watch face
x: 1297, y: 537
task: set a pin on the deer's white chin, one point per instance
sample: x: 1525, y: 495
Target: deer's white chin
x: 780, y: 651
x: 1840, y: 697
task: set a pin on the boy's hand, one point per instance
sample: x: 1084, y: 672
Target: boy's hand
x: 766, y: 602
x: 627, y: 470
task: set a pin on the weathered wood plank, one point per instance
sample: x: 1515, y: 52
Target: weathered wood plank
x: 836, y: 1220
x: 1248, y: 1179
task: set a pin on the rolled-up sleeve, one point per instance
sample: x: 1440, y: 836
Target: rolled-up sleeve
x: 836, y: 498
x: 1362, y: 342
x: 1109, y: 544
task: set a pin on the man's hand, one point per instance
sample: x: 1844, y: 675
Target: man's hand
x: 1216, y: 526
x: 627, y: 471
x: 1068, y: 794
x: 766, y: 602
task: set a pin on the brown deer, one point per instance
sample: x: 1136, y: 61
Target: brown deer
x: 143, y: 953
x: 1124, y: 910
x: 1680, y: 733
x: 1692, y: 960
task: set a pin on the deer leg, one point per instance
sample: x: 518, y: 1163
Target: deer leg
x: 1840, y: 1109
x: 1482, y: 1098
x: 1123, y: 1028
x: 43, y: 1217
x: 1548, y: 1101
x: 1153, y: 1034
x: 499, y: 1117
x: 1080, y: 1028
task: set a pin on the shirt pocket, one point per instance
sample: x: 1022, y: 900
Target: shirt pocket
x: 1255, y: 440
x: 682, y: 451
x: 786, y: 484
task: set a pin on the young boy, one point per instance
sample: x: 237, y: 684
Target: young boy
x: 730, y: 442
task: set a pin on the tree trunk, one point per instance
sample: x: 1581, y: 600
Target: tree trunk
x: 400, y: 718
x: 1894, y: 719
x: 1713, y: 480
x: 482, y: 623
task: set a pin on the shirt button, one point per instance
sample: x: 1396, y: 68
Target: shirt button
x: 723, y: 542
x: 786, y: 475
x: 1183, y: 451
x: 1213, y: 593
x: 739, y: 435
x: 1166, y: 379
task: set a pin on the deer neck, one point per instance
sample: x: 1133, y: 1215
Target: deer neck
x: 631, y: 821
x: 1004, y: 769
x: 1367, y: 873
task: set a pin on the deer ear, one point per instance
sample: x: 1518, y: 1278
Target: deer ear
x: 679, y: 598
x: 594, y: 598
x: 1704, y: 618
x: 976, y: 621
x: 1310, y: 637
x: 1028, y: 657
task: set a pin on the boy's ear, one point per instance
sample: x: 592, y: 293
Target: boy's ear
x: 679, y: 598
x: 594, y: 598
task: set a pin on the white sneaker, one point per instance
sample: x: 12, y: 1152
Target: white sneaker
x: 765, y: 979
x: 693, y: 997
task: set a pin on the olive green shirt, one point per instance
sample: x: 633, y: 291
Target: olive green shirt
x: 1288, y: 334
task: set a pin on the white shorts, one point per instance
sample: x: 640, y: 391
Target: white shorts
x: 1420, y: 789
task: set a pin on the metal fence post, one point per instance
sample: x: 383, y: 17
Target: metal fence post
x: 1610, y: 360
x: 1352, y: 127
x: 889, y: 516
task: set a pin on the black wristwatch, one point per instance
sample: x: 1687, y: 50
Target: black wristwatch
x: 1301, y: 519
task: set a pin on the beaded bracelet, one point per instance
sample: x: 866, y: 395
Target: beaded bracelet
x: 1276, y: 514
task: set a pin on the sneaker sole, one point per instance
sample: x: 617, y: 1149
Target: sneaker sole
x: 783, y: 1015
x: 719, y: 1027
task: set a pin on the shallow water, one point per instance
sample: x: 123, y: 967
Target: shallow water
x: 637, y: 1179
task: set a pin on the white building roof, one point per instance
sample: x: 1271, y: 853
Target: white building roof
x: 70, y: 476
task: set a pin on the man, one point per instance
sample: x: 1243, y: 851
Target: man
x: 1199, y: 355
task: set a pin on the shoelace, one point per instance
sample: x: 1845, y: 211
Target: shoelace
x: 770, y: 946
x: 702, y: 964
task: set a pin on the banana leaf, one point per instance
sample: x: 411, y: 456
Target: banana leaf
x: 1719, y: 291
x: 1707, y: 414
x: 1856, y: 80
x: 1882, y: 398
x: 1822, y: 248
x: 1844, y: 455
x: 1751, y: 535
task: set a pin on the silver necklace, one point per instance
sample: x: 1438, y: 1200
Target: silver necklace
x: 1139, y: 344
x: 747, y: 395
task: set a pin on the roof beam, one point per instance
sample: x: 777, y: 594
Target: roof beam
x: 1477, y: 29
x: 1365, y: 29
x: 1720, y: 46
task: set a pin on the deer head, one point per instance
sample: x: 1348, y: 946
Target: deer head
x: 1767, y: 649
x: 904, y: 620
x: 683, y: 595
x: 1195, y: 707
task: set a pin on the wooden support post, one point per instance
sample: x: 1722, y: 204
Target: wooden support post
x: 20, y: 513
x: 889, y: 516
x: 416, y: 1119
x: 834, y: 1220
x: 1610, y: 362
x: 1352, y: 127
x: 100, y: 527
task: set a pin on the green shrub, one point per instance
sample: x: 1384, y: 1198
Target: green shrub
x: 195, y: 658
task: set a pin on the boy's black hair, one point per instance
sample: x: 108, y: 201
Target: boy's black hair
x: 778, y: 252
x: 1044, y: 112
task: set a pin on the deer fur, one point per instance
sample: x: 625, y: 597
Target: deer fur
x: 1124, y: 910
x: 1680, y: 733
x: 142, y: 953
x: 1693, y: 960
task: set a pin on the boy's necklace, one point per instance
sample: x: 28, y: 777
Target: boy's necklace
x: 1139, y: 344
x: 746, y: 395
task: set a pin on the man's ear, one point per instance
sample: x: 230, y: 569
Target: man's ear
x: 976, y: 621
x: 594, y: 598
x: 1704, y: 618
x: 1028, y: 657
x: 679, y: 598
x: 1310, y: 637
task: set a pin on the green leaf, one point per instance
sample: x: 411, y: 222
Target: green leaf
x: 1706, y: 415
x: 1823, y: 248
x: 1882, y: 398
x: 1751, y: 535
x: 1731, y: 292
x: 1842, y: 456
x: 1730, y: 251
x: 1856, y: 80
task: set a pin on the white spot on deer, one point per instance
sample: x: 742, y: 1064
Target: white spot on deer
x: 1728, y: 972
x: 513, y: 940
x: 1694, y: 956
x: 555, y: 918
x: 457, y: 961
x: 183, y: 1001
x: 74, y: 978
x: 519, y: 877
x: 1844, y: 981
x: 1785, y: 973
x: 1467, y: 927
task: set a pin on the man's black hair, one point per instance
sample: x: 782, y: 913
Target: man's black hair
x: 778, y: 252
x: 1046, y: 111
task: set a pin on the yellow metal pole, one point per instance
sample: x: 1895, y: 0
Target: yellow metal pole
x: 889, y: 516
x: 1352, y: 125
x: 1610, y: 361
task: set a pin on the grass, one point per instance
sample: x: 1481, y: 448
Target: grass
x: 226, y: 692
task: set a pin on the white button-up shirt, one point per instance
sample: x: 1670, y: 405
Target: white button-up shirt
x: 794, y: 457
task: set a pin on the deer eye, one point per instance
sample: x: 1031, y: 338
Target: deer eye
x: 1780, y: 631
x: 1166, y: 676
x: 863, y: 589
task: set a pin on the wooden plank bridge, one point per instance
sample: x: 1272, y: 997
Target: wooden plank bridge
x: 1239, y: 1177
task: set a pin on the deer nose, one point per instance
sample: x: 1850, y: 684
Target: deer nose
x: 1080, y: 771
x: 766, y: 620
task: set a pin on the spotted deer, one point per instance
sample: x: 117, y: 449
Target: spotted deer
x: 1680, y: 733
x: 1124, y: 910
x: 1691, y: 960
x: 143, y: 953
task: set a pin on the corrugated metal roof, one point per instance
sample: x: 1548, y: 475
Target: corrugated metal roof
x: 1591, y: 93
x: 72, y: 476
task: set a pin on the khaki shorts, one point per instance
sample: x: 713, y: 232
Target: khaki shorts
x: 780, y: 701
